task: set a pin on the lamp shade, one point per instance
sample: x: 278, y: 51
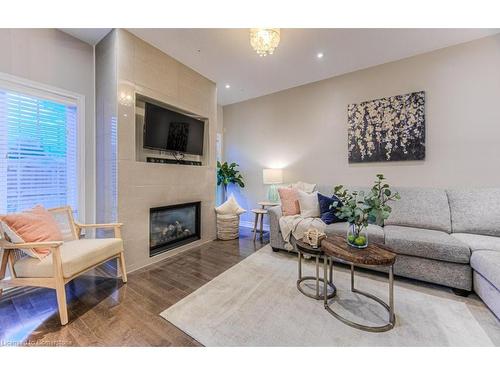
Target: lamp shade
x: 272, y: 176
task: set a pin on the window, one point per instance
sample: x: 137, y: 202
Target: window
x: 39, y: 149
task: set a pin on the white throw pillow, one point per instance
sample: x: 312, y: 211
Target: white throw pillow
x: 309, y: 205
x: 15, y: 238
x: 230, y: 207
x: 304, y: 186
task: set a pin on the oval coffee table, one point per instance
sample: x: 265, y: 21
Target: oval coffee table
x: 336, y: 247
x: 317, y: 252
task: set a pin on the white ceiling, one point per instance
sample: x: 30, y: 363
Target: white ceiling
x: 90, y: 36
x: 225, y: 55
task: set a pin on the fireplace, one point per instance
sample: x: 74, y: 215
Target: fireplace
x: 173, y: 226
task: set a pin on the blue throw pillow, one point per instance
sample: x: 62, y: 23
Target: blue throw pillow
x: 329, y: 216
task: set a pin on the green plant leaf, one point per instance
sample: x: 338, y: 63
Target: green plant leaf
x: 227, y: 174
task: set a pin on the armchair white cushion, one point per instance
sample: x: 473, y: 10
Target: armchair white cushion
x: 77, y: 256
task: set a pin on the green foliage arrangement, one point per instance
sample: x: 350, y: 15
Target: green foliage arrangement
x: 359, y: 208
x: 378, y: 198
x: 228, y: 174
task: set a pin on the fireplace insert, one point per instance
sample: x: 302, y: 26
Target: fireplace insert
x: 173, y: 226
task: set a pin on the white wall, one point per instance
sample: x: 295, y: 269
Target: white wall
x: 54, y: 58
x: 304, y: 129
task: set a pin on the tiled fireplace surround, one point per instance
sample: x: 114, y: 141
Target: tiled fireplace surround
x: 126, y: 188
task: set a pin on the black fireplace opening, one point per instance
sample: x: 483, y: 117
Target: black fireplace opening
x: 173, y: 226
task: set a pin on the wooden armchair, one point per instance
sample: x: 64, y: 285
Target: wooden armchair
x: 68, y: 258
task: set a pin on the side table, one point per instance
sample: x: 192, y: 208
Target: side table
x: 336, y: 247
x: 259, y: 214
x: 305, y: 248
x: 265, y: 204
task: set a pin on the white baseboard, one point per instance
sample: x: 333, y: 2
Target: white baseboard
x: 249, y: 224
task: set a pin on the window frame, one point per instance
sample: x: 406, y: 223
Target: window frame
x: 48, y: 92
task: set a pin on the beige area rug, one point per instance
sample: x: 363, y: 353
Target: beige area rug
x: 256, y: 303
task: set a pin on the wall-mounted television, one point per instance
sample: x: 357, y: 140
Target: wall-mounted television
x: 166, y: 130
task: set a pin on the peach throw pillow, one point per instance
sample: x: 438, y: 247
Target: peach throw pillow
x: 36, y: 225
x: 289, y: 201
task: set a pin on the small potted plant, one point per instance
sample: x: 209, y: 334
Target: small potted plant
x: 228, y: 174
x: 360, y: 209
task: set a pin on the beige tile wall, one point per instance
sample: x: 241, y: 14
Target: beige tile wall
x: 143, y: 69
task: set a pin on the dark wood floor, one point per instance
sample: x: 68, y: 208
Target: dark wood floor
x: 105, y: 312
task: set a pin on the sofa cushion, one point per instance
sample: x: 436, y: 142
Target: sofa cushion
x: 289, y: 201
x: 375, y: 232
x: 303, y: 186
x: 487, y: 264
x: 478, y: 242
x: 308, y: 203
x: 76, y: 256
x: 327, y: 214
x: 421, y: 208
x: 475, y: 210
x: 426, y: 243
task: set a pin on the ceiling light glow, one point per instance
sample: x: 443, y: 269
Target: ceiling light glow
x: 264, y: 41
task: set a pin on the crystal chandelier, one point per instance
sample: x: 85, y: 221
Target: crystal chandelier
x: 264, y: 41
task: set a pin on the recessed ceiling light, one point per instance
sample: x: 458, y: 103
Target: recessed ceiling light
x: 319, y: 55
x: 228, y: 86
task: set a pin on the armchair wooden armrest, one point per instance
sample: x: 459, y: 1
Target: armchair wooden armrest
x: 115, y: 226
x: 56, y: 282
x: 106, y: 225
x: 4, y: 244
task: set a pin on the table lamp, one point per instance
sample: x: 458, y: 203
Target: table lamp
x: 272, y: 177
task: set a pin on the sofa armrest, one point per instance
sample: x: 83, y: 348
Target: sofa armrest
x: 275, y: 236
x: 274, y: 217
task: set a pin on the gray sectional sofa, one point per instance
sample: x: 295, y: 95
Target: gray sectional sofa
x: 447, y: 237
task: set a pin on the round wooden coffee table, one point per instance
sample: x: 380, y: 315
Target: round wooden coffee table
x: 317, y: 252
x: 336, y: 247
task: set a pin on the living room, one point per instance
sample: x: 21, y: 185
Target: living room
x: 329, y: 184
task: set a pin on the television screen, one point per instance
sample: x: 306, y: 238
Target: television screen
x: 172, y: 131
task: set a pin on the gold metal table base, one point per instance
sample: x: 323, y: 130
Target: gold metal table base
x: 389, y: 307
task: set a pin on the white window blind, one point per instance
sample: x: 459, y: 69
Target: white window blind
x: 38, y: 152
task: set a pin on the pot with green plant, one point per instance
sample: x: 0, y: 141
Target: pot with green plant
x: 360, y: 209
x: 228, y: 174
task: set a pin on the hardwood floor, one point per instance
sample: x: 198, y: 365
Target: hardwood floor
x: 105, y: 312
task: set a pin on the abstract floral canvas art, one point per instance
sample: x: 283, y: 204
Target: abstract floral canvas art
x: 388, y: 129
